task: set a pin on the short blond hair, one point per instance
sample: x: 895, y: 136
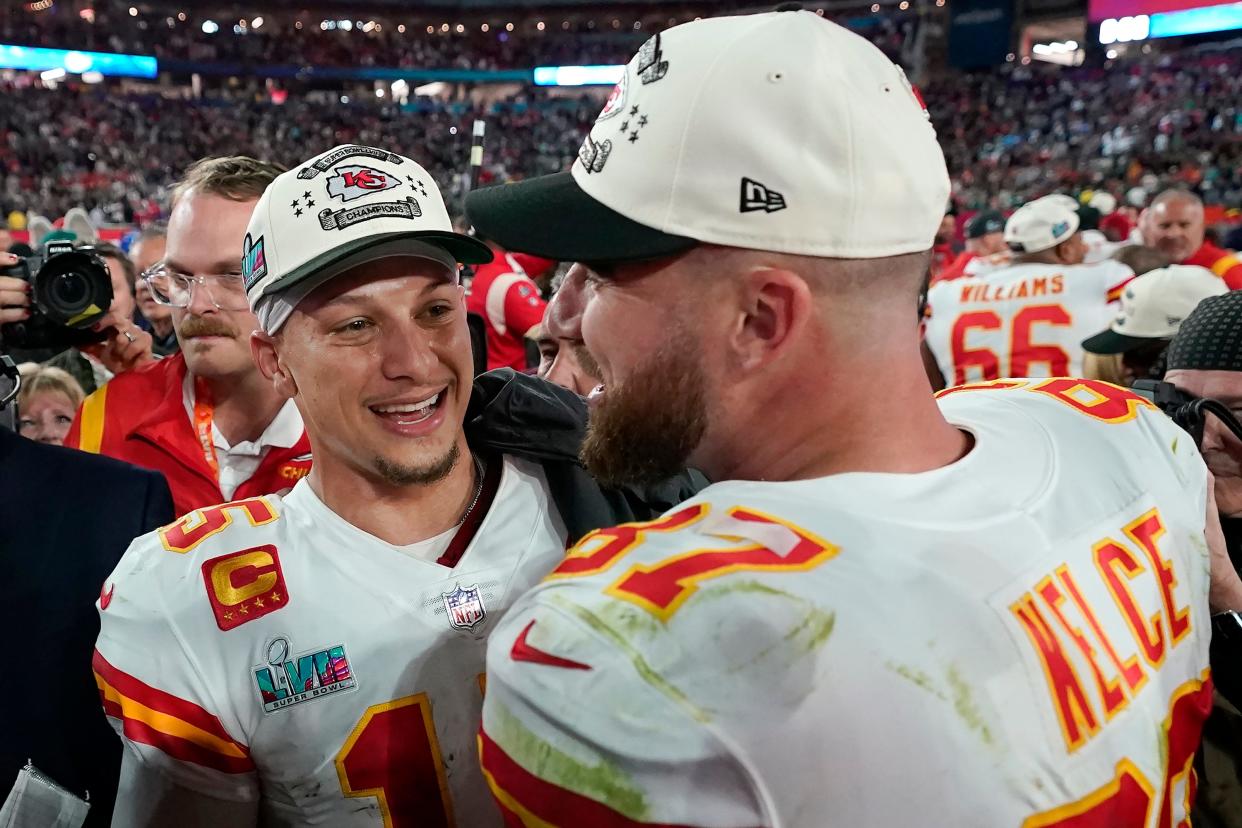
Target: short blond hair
x: 38, y: 378
x: 235, y: 177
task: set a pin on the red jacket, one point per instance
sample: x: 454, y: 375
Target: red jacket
x: 508, y: 300
x: 140, y: 417
x: 1222, y: 262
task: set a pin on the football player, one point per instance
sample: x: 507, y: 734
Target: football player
x: 889, y: 610
x: 1027, y: 319
x: 318, y: 659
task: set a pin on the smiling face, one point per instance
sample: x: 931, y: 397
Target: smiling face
x: 378, y: 361
x: 650, y: 413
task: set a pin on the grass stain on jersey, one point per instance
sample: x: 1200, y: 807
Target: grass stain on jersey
x: 644, y: 670
x: 808, y: 635
x: 964, y: 704
x: 918, y: 678
x: 601, y: 781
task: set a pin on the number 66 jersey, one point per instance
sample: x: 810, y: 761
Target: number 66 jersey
x: 269, y: 652
x: 1016, y: 640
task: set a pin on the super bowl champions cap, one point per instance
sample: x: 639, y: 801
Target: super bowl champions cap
x: 779, y: 131
x: 350, y: 205
x: 1040, y: 225
x: 1154, y: 305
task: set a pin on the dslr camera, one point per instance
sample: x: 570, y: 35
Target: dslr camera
x: 70, y: 291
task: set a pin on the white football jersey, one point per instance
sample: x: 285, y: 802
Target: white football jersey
x: 1023, y: 320
x: 269, y: 649
x: 1017, y: 639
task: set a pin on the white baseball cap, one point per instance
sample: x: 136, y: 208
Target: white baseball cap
x: 1041, y: 224
x: 1153, y: 306
x: 347, y: 206
x: 779, y: 131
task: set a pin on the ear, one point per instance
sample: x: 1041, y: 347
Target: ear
x: 267, y: 357
x: 776, y: 306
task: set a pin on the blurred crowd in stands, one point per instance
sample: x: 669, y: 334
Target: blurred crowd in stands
x: 1009, y: 134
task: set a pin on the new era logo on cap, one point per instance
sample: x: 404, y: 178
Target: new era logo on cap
x: 755, y: 196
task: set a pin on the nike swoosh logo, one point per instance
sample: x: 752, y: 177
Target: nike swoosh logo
x: 525, y: 652
x: 105, y: 598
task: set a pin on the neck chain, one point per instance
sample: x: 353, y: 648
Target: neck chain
x: 478, y: 488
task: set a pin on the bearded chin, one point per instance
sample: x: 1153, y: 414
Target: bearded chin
x: 644, y: 429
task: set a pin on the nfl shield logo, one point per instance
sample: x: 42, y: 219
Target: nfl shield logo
x: 464, y: 607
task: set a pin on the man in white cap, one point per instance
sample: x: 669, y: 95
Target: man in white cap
x: 886, y: 611
x: 1027, y: 319
x: 1153, y: 306
x: 317, y: 659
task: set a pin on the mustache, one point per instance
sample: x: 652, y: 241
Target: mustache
x: 193, y: 326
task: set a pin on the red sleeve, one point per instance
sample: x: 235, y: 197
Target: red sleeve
x: 1233, y: 275
x: 523, y: 307
x: 534, y: 266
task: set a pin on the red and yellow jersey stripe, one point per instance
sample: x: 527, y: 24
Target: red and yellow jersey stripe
x: 179, y: 728
x: 530, y: 802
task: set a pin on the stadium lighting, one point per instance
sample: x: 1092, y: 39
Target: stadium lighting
x: 540, y: 26
x: 92, y: 77
x: 344, y: 99
x: 484, y: 27
x: 1111, y: 54
x: 88, y: 15
x: 77, y: 63
x: 256, y: 23
x: 400, y: 88
x: 181, y: 16
x: 459, y: 28
x: 210, y: 27
x: 133, y: 12
x: 379, y: 93
x: 401, y: 29
x: 444, y: 27
x: 369, y: 26
x: 875, y: 7
x: 1124, y: 29
x: 110, y: 64
x: 508, y: 27
x: 345, y: 25
x: 452, y: 130
x: 578, y: 75
x: 905, y: 4
x: 53, y: 75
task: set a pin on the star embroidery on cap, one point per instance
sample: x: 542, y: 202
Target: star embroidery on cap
x: 642, y: 122
x: 297, y: 213
x: 634, y: 137
x: 306, y: 194
x: 310, y: 202
x: 294, y: 203
x: 625, y: 126
x: 634, y: 110
x: 417, y: 183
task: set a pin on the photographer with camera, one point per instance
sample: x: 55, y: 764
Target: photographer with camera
x: 1202, y: 393
x: 71, y: 301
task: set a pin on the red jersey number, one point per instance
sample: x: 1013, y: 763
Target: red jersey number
x: 974, y: 364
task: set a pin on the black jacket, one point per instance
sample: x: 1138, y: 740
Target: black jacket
x: 66, y: 517
x: 526, y: 417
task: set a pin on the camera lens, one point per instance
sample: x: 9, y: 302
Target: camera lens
x: 73, y: 289
x: 68, y: 290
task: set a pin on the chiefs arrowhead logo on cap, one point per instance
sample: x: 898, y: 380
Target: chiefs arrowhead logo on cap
x: 353, y: 181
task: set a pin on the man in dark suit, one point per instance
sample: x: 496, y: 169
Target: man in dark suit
x: 65, y: 519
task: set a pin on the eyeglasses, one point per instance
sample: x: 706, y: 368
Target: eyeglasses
x: 168, y: 287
